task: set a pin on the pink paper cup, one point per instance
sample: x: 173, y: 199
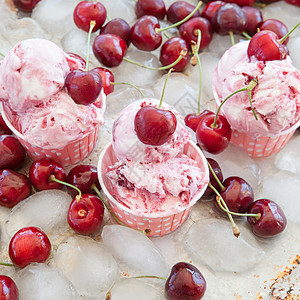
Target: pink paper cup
x: 160, y: 223
x: 261, y: 146
x: 69, y: 155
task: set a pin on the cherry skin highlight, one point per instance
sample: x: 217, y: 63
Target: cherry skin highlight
x: 272, y: 220
x: 14, y: 187
x: 8, y: 289
x: 171, y: 50
x: 185, y: 282
x: 109, y: 49
x: 86, y: 215
x: 40, y: 171
x: 28, y: 245
x: 154, y: 126
x: 87, y: 11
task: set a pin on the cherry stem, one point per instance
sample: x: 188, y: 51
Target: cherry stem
x: 147, y: 276
x: 1, y: 54
x: 182, y: 54
x: 246, y: 35
x: 166, y: 36
x: 92, y: 25
x: 256, y: 216
x: 53, y: 178
x: 215, y: 176
x: 7, y: 264
x: 253, y: 83
x: 164, y: 88
x: 94, y: 187
x: 231, y: 37
x: 195, y: 50
x: 132, y: 85
x: 235, y: 229
x: 287, y: 35
x: 108, y: 17
x: 158, y: 30
x: 259, y: 5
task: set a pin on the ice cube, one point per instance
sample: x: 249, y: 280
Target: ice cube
x: 46, y: 210
x: 40, y: 282
x: 180, y: 92
x: 283, y: 188
x: 128, y: 289
x: 134, y: 250
x: 288, y: 159
x: 120, y: 9
x: 211, y: 242
x: 55, y: 16
x: 75, y: 41
x: 235, y: 162
x: 293, y: 45
x: 126, y: 72
x: 89, y: 266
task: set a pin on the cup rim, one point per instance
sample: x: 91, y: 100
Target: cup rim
x: 21, y: 136
x: 284, y: 132
x: 196, y: 197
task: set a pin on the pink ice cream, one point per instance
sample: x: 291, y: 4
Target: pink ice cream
x: 154, y: 180
x: 276, y: 98
x: 32, y: 77
x: 128, y: 147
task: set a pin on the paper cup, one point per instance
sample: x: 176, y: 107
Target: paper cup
x: 159, y: 223
x: 261, y: 146
x: 70, y: 154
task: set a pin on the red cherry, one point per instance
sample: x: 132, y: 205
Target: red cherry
x: 276, y: 26
x: 171, y: 50
x: 241, y: 2
x: 86, y: 215
x: 210, y: 9
x: 272, y: 220
x: 107, y: 78
x: 4, y: 129
x: 12, y: 153
x: 28, y: 245
x: 8, y: 289
x: 143, y: 34
x: 84, y: 87
x: 109, y: 49
x: 40, y: 172
x: 83, y: 176
x: 185, y: 282
x: 179, y: 10
x: 217, y: 169
x: 26, y: 5
x: 237, y: 194
x: 254, y: 18
x: 213, y: 140
x: 265, y: 46
x: 192, y: 120
x: 118, y: 27
x: 154, y: 126
x: 229, y: 17
x: 188, y: 31
x: 269, y: 1
x: 79, y: 58
x: 293, y: 2
x: 87, y: 11
x: 155, y: 8
x: 14, y: 187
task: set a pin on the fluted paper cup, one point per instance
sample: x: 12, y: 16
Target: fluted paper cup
x: 71, y: 154
x: 261, y: 146
x: 159, y: 223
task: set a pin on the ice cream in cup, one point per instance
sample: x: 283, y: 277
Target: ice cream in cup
x: 276, y: 100
x: 151, y: 187
x: 37, y: 108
